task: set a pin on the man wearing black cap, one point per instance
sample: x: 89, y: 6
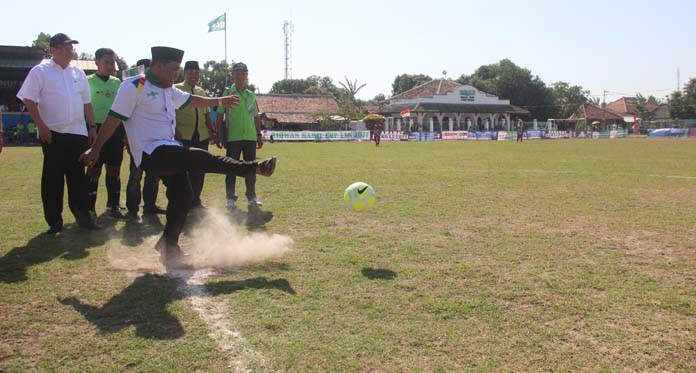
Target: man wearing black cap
x: 243, y: 134
x: 57, y: 96
x: 147, y: 105
x: 150, y: 185
x: 193, y: 125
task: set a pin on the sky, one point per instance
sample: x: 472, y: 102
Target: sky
x: 623, y: 47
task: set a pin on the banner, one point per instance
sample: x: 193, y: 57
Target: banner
x: 454, y: 135
x: 482, y: 135
x: 669, y: 132
x: 394, y: 136
x: 317, y: 135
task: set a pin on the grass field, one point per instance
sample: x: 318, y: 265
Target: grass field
x: 547, y: 255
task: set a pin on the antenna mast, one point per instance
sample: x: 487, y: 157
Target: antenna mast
x: 288, y: 28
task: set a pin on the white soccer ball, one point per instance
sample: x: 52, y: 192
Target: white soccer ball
x: 360, y: 196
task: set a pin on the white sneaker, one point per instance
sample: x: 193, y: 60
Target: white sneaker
x: 255, y: 202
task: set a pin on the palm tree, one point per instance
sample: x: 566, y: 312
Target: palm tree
x: 352, y: 89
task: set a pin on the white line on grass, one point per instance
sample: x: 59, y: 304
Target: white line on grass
x: 614, y: 174
x: 214, y: 314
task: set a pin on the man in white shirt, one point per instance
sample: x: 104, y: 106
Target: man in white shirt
x: 147, y: 106
x: 58, y: 99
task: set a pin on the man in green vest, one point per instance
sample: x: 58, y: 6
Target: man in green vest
x: 19, y: 133
x: 103, y: 87
x: 243, y: 134
x: 31, y: 129
x: 193, y: 126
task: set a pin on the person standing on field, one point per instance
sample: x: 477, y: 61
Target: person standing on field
x: 57, y: 96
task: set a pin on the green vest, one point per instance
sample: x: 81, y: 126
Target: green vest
x: 188, y: 119
x: 103, y: 95
x: 240, y: 120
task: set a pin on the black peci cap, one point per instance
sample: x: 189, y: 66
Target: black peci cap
x: 191, y: 65
x: 143, y: 62
x: 167, y: 54
x: 60, y: 39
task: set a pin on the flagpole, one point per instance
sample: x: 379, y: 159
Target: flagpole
x: 225, y: 16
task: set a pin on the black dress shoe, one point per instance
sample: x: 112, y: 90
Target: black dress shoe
x: 171, y: 255
x: 54, y: 229
x: 154, y: 210
x: 88, y: 221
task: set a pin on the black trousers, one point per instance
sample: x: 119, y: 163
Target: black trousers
x: 149, y: 191
x: 235, y: 150
x: 61, y: 164
x: 197, y: 178
x: 173, y: 164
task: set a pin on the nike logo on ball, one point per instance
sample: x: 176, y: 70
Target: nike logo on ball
x: 362, y: 190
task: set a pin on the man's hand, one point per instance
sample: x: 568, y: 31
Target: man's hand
x: 259, y: 142
x: 229, y: 101
x: 89, y: 157
x: 44, y: 134
x: 177, y: 135
x: 91, y: 135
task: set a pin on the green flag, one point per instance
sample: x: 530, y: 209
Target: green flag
x: 217, y: 24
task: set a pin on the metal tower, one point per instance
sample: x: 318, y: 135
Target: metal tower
x: 288, y: 28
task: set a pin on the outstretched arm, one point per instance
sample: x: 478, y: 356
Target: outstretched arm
x: 90, y: 156
x: 226, y: 101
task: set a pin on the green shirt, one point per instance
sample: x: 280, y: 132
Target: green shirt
x: 103, y: 95
x: 240, y: 120
x: 188, y: 119
x: 31, y: 128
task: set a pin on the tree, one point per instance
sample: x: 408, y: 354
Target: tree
x: 42, y: 42
x: 404, y: 82
x: 643, y: 112
x: 379, y: 98
x: 682, y: 104
x: 329, y: 120
x: 509, y: 81
x: 85, y: 56
x: 293, y: 86
x: 352, y: 89
x: 567, y: 98
x: 215, y: 77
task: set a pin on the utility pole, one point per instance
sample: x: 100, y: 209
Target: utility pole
x: 678, y: 81
x: 604, y: 108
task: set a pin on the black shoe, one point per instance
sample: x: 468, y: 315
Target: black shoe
x: 88, y: 221
x: 266, y: 167
x: 154, y: 210
x: 54, y: 229
x: 132, y: 216
x: 115, y: 212
x: 171, y: 255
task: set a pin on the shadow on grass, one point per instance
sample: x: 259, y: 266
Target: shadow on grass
x: 378, y: 273
x: 143, y: 304
x: 71, y: 244
x: 135, y: 232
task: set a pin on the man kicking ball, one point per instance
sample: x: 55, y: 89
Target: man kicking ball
x: 147, y: 106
